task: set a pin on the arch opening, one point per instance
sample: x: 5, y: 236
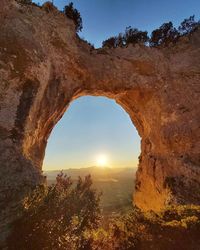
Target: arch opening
x: 96, y: 136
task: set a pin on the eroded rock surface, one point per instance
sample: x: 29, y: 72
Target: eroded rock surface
x: 44, y: 66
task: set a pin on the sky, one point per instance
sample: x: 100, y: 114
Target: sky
x: 91, y: 129
x: 95, y: 126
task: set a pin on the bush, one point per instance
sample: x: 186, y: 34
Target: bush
x: 57, y: 217
x: 189, y: 25
x: 74, y: 14
x: 131, y: 36
x: 110, y: 43
x: 144, y: 231
x: 164, y: 35
x: 134, y: 36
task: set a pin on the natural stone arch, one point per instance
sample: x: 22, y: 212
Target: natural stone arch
x: 44, y: 66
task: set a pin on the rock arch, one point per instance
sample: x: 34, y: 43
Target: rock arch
x: 44, y: 66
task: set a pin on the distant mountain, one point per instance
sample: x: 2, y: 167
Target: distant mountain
x: 97, y: 173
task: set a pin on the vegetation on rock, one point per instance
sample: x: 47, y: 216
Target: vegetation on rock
x: 162, y: 36
x: 188, y: 26
x: 74, y: 14
x: 133, y: 36
x: 175, y: 228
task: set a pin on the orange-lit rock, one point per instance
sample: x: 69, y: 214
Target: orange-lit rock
x: 44, y: 66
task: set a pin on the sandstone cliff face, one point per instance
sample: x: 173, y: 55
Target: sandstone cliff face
x: 44, y: 66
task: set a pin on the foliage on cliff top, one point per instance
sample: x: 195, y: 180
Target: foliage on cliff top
x: 162, y: 36
x: 75, y: 15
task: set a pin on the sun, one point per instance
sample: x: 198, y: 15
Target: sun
x: 102, y: 160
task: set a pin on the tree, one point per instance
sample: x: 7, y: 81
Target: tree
x: 120, y: 40
x: 57, y: 217
x: 133, y: 36
x: 164, y: 35
x: 75, y: 15
x: 188, y: 26
x: 110, y: 43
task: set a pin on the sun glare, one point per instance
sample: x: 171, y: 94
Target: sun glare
x: 102, y: 160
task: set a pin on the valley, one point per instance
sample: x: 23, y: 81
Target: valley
x: 115, y: 184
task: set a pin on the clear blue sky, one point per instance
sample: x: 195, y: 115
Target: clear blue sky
x: 92, y: 125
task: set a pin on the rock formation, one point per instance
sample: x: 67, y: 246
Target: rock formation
x: 44, y: 66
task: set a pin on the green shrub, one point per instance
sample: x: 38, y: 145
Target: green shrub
x: 131, y: 36
x: 134, y: 36
x: 164, y: 35
x: 110, y: 43
x: 60, y: 216
x: 188, y: 26
x: 144, y: 231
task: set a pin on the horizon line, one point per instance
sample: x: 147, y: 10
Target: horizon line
x: 62, y: 169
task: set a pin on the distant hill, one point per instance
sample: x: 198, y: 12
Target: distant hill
x: 116, y: 185
x: 97, y: 173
